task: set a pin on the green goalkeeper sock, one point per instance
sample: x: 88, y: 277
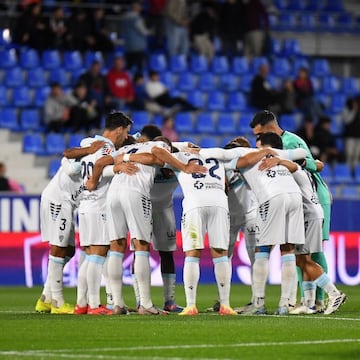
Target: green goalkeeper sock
x: 300, y: 281
x: 320, y: 259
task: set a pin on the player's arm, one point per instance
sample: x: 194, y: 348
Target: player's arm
x: 292, y: 154
x: 70, y: 167
x: 79, y: 152
x: 166, y: 157
x: 268, y: 163
x: 319, y: 165
x: 254, y: 157
x: 225, y: 154
x: 98, y: 168
x: 142, y: 158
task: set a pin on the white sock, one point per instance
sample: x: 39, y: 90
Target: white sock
x: 222, y: 276
x: 143, y: 277
x: 46, y: 292
x: 288, y: 274
x: 82, y: 288
x: 105, y: 273
x: 55, y: 270
x: 136, y: 289
x: 293, y: 292
x: 260, y: 276
x: 93, y: 278
x: 309, y: 288
x: 81, y: 258
x: 324, y: 282
x: 169, y: 281
x: 115, y: 272
x: 191, y: 279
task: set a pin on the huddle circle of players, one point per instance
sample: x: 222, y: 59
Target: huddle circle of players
x: 122, y: 184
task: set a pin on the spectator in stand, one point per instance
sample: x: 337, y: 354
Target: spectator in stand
x: 158, y: 92
x: 97, y: 87
x: 325, y: 141
x: 156, y: 23
x: 168, y: 129
x: 203, y: 29
x: 351, y: 118
x: 256, y: 27
x: 101, y: 33
x: 288, y: 97
x: 231, y: 26
x: 31, y: 28
x: 305, y: 99
x: 7, y: 184
x: 307, y: 133
x: 176, y: 27
x: 134, y: 33
x: 262, y: 95
x: 57, y: 27
x: 57, y: 109
x: 120, y: 84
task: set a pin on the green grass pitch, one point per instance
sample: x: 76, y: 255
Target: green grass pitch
x: 27, y: 335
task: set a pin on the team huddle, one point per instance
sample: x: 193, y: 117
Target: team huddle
x: 121, y: 185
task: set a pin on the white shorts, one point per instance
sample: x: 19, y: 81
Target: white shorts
x: 164, y: 229
x: 93, y: 229
x: 313, y: 238
x: 211, y: 219
x: 57, y: 223
x: 129, y: 211
x: 281, y: 220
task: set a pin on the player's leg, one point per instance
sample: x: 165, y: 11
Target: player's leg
x: 108, y: 292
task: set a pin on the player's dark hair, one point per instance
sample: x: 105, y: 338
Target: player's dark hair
x: 129, y: 141
x: 242, y: 141
x: 262, y: 118
x: 270, y: 138
x: 151, y: 131
x: 115, y: 119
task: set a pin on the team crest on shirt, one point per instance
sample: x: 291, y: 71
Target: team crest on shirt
x: 198, y: 185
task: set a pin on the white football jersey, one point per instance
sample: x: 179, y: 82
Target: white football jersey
x: 202, y: 190
x: 312, y: 207
x: 143, y: 180
x: 95, y: 201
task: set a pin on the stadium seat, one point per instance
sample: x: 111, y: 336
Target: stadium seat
x: 342, y: 173
x: 30, y: 120
x: 196, y: 98
x: 350, y: 86
x: 14, y: 77
x: 168, y: 79
x: 194, y: 139
x: 51, y: 59
x: 140, y: 118
x: 205, y: 123
x: 209, y: 142
x: 8, y: 58
x: 216, y: 101
x: 289, y: 122
x: 336, y: 125
x: 315, y: 6
x: 330, y: 85
x: 33, y: 143
x: 91, y: 56
x: 337, y: 103
x: 326, y: 22
x: 244, y: 123
x: 74, y: 140
x: 245, y: 82
x: 60, y: 76
x: 281, y: 4
x: 220, y: 65
x: 291, y: 47
x: 158, y: 62
x: 40, y: 96
x: 299, y: 62
x: 229, y: 82
x: 4, y: 96
x: 226, y: 123
x: 287, y: 22
x: 316, y: 83
x: 186, y: 81
x: 327, y: 174
x: 307, y: 22
x: 198, y: 64
x: 29, y: 59
x: 334, y: 6
x: 54, y: 165
x: 240, y: 65
x: 357, y: 174
x: 21, y: 97
x: 36, y: 78
x: 275, y: 46
x: 184, y: 122
x: 281, y: 67
x: 296, y: 5
x: 207, y: 82
x: 320, y: 67
x: 344, y: 23
x: 236, y: 101
x: 349, y: 192
x: 178, y: 64
x: 9, y: 119
x: 257, y: 62
x: 54, y: 144
x: 72, y: 60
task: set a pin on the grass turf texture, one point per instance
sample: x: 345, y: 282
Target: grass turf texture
x: 25, y: 334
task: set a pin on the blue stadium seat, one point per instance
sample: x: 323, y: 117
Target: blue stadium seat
x: 198, y: 64
x: 226, y: 123
x: 72, y: 60
x: 220, y: 65
x: 36, y: 78
x: 240, y: 65
x: 337, y: 126
x: 9, y: 119
x: 281, y: 4
x: 184, y: 122
x: 349, y: 192
x: 209, y: 142
x: 178, y: 64
x: 140, y: 118
x: 327, y: 174
x: 4, y: 96
x: 307, y: 22
x: 194, y: 139
x: 245, y: 82
x: 300, y: 62
x: 207, y: 82
x: 30, y: 120
x: 51, y: 59
x: 54, y: 144
x: 168, y: 79
x: 275, y: 46
x: 357, y: 174
x: 330, y: 85
x: 21, y: 97
x: 91, y: 56
x: 296, y: 5
x: 29, y: 59
x: 320, y: 67
x: 334, y: 5
x: 8, y: 58
x: 244, y: 123
x: 315, y: 6
x: 291, y: 47
x: 40, y: 96
x: 344, y: 23
x: 342, y: 173
x: 326, y: 22
x: 350, y: 86
x: 337, y: 103
x: 281, y: 67
x: 316, y: 83
x: 186, y: 81
x: 196, y: 98
x: 287, y: 22
x: 54, y: 165
x: 14, y: 77
x: 33, y: 143
x: 216, y: 101
x: 257, y: 62
x: 205, y: 123
x: 289, y: 122
x: 158, y: 62
x: 60, y: 76
x: 237, y: 101
x: 229, y: 82
x: 74, y: 140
